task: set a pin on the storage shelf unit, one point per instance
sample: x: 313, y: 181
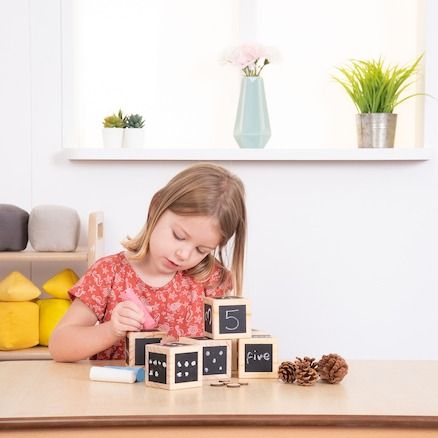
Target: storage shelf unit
x: 90, y: 254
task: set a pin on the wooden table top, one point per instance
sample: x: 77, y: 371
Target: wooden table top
x: 379, y: 393
x: 38, y: 352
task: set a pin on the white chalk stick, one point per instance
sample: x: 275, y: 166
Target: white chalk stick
x: 103, y: 374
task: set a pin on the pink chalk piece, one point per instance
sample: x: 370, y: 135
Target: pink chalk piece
x: 148, y: 321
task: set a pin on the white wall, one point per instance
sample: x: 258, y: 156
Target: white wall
x: 341, y: 256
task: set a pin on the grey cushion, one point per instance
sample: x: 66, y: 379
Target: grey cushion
x: 54, y: 228
x: 13, y: 228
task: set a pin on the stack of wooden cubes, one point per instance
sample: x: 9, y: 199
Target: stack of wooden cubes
x: 228, y: 348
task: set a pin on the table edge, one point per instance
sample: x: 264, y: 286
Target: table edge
x: 343, y: 421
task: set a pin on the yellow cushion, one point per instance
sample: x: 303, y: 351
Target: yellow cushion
x: 16, y: 287
x: 51, y: 312
x: 59, y: 285
x: 19, y: 326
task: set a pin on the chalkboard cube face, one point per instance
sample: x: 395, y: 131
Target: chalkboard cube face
x: 186, y: 367
x: 140, y: 349
x: 214, y: 361
x: 216, y: 356
x: 258, y: 357
x: 227, y: 318
x: 157, y: 368
x: 135, y: 346
x: 232, y: 319
x: 208, y: 318
x: 173, y: 366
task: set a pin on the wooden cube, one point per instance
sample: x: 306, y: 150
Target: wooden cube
x: 135, y: 345
x: 173, y: 366
x: 234, y: 357
x: 258, y: 357
x: 227, y: 318
x: 216, y: 356
x: 256, y: 333
x: 235, y: 350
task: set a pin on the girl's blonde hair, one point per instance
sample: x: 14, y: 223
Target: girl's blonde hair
x: 202, y: 190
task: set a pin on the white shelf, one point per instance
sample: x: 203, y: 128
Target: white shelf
x: 236, y: 154
x: 89, y: 254
x: 36, y: 256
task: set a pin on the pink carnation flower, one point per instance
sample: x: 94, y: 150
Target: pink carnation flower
x: 250, y: 58
x: 245, y: 55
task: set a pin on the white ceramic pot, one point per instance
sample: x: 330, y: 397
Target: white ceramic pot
x: 133, y: 138
x: 112, y: 137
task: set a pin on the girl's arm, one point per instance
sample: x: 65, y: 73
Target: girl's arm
x: 77, y: 336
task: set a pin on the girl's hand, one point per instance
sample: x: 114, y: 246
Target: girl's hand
x: 126, y: 317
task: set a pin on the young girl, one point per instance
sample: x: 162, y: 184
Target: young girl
x: 176, y: 259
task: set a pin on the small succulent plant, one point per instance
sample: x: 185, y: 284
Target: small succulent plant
x: 115, y: 121
x: 134, y: 121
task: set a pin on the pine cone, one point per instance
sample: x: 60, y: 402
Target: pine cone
x: 311, y: 362
x: 286, y: 372
x: 332, y: 368
x: 306, y: 373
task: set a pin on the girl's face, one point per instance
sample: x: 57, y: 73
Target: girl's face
x: 180, y: 242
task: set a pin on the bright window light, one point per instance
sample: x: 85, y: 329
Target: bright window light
x: 161, y: 58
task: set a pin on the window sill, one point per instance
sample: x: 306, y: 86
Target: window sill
x: 236, y: 154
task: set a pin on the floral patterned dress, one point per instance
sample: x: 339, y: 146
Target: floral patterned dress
x: 177, y: 307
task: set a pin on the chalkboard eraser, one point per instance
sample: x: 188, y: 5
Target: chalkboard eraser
x: 104, y: 374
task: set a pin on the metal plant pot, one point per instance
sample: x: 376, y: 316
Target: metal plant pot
x: 376, y: 130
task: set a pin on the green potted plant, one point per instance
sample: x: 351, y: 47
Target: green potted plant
x: 376, y: 89
x: 112, y: 131
x: 134, y: 132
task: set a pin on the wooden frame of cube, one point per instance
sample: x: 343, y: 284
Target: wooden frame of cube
x: 216, y: 304
x: 257, y: 340
x: 131, y: 338
x: 170, y: 351
x: 235, y: 350
x: 208, y: 342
